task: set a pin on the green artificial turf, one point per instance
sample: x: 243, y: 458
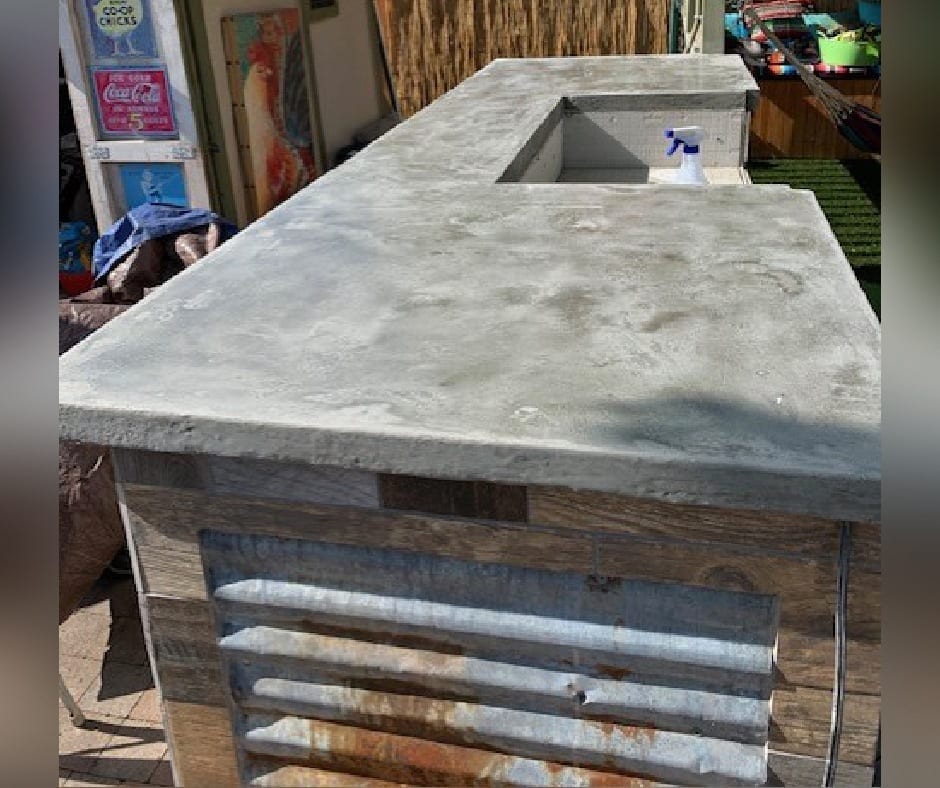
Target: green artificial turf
x: 849, y: 193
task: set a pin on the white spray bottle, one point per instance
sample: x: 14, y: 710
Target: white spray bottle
x: 690, y: 170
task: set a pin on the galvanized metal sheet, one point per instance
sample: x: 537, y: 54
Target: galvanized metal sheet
x: 312, y: 658
x: 546, y: 670
x: 335, y: 747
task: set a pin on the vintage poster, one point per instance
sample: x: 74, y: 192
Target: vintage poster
x: 270, y: 74
x: 121, y: 29
x: 149, y: 182
x: 134, y: 102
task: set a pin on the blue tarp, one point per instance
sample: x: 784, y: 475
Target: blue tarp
x: 146, y: 222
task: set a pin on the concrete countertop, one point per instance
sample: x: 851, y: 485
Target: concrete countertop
x: 408, y: 314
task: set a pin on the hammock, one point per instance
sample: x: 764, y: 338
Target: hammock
x: 857, y: 123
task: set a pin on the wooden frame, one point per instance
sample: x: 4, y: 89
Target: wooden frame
x: 205, y: 39
x: 240, y: 117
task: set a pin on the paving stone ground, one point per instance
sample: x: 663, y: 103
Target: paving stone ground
x: 103, y: 662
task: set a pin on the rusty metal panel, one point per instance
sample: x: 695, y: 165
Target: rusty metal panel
x: 402, y: 757
x: 415, y: 668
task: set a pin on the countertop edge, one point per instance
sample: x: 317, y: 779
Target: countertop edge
x: 678, y: 480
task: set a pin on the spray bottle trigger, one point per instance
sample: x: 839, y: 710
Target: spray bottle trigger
x: 671, y: 135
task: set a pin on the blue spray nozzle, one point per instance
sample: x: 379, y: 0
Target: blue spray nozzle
x: 687, y: 136
x: 671, y: 135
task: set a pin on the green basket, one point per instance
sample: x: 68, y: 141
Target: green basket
x: 849, y: 53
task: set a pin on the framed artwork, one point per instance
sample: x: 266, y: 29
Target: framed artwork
x: 133, y: 102
x: 268, y: 81
x: 120, y: 29
x: 151, y: 182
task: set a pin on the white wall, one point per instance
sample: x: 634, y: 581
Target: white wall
x: 548, y: 161
x: 348, y: 76
x: 349, y: 73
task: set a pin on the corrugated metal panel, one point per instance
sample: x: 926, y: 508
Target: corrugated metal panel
x: 414, y: 668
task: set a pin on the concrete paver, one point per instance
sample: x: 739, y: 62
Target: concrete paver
x: 85, y: 632
x: 133, y: 753
x: 103, y: 662
x: 116, y: 690
x: 163, y: 774
x: 148, y: 707
x: 78, y: 778
x: 79, y: 747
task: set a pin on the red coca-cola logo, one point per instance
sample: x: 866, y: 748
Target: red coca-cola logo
x: 141, y: 93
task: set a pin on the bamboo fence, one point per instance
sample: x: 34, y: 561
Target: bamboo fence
x: 433, y: 45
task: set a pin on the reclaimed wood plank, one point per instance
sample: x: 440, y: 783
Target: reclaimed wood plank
x: 866, y: 546
x: 167, y: 523
x: 809, y: 660
x: 483, y: 500
x: 801, y: 719
x: 204, y: 684
x: 164, y: 469
x: 766, y: 531
x: 202, y: 745
x: 788, y: 769
x: 247, y: 478
x: 186, y: 649
x: 806, y: 588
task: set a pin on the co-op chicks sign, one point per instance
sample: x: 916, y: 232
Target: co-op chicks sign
x: 121, y: 29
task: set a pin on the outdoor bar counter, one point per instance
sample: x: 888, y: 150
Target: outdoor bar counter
x: 486, y: 459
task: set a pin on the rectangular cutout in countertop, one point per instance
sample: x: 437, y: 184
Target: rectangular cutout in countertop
x: 621, y: 139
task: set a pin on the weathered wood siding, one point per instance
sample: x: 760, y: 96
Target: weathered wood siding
x: 791, y: 123
x: 172, y: 501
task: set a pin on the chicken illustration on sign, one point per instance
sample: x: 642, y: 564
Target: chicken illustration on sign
x: 121, y: 29
x: 273, y: 83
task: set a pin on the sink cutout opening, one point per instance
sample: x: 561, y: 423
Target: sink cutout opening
x: 620, y: 139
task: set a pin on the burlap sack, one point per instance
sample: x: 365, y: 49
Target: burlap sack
x: 90, y: 528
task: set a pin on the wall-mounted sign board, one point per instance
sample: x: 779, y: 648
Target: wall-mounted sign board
x: 121, y: 29
x: 134, y: 102
x: 149, y: 183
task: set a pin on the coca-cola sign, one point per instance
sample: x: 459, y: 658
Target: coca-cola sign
x: 134, y: 102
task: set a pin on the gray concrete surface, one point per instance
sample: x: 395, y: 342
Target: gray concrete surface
x: 407, y: 313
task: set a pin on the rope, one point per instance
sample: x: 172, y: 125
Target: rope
x: 856, y: 122
x: 832, y: 98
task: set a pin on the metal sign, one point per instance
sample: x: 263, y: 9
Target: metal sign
x: 134, y: 102
x: 121, y: 29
